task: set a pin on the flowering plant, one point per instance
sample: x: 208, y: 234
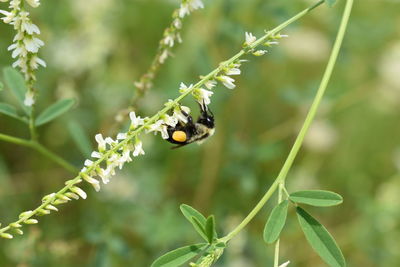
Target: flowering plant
x: 113, y: 153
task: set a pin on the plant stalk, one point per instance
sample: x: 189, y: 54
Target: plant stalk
x: 306, y: 125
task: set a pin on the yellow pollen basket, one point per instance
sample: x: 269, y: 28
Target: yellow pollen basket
x: 179, y: 136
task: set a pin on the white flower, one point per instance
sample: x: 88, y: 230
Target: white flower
x: 227, y: 81
x: 260, y: 53
x: 9, y: 16
x: 32, y: 44
x: 284, y: 264
x: 179, y: 114
x: 177, y: 23
x: 169, y: 40
x: 29, y: 99
x: 96, y: 154
x: 210, y: 84
x: 159, y: 126
x: 104, y: 174
x: 100, y: 141
x: 203, y: 96
x: 36, y: 61
x: 233, y: 71
x: 15, y: 4
x: 250, y: 38
x: 138, y: 149
x: 88, y: 163
x: 183, y: 88
x: 33, y: 3
x: 135, y: 121
x: 122, y: 136
x: 79, y: 191
x: 189, y: 6
x: 164, y: 55
x: 170, y: 120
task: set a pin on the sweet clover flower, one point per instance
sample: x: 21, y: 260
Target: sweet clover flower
x: 26, y: 43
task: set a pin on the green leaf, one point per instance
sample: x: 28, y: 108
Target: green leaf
x: 15, y: 81
x: 320, y: 240
x: 10, y: 111
x: 210, y: 228
x: 1, y: 86
x: 199, y: 227
x: 275, y: 222
x: 200, y: 224
x: 80, y: 137
x: 318, y: 198
x: 54, y: 110
x: 179, y: 256
x: 330, y: 3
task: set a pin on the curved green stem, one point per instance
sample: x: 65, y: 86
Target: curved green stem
x: 41, y: 149
x: 306, y: 125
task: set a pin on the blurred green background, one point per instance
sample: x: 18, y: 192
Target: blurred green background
x: 95, y: 49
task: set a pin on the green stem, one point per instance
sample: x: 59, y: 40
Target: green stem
x: 276, y: 254
x: 310, y: 117
x: 41, y: 149
x: 32, y: 128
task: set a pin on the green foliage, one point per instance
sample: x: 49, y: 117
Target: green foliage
x: 179, y: 256
x: 320, y: 239
x: 275, y: 222
x: 331, y: 2
x: 15, y: 81
x: 318, y: 198
x: 11, y: 111
x: 196, y: 219
x: 1, y: 86
x: 54, y: 110
x: 210, y: 229
x: 80, y: 137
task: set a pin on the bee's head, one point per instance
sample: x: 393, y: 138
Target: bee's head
x: 206, y: 117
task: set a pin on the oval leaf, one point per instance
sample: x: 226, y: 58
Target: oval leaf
x: 15, y: 81
x: 320, y: 239
x: 210, y: 229
x: 318, y: 198
x: 80, y: 137
x: 54, y: 111
x: 179, y: 256
x: 275, y: 222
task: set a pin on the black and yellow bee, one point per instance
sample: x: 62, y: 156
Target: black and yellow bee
x: 186, y: 133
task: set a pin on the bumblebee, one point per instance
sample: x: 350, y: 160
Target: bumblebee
x: 187, y: 133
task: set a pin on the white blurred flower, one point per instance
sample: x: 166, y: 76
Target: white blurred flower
x: 321, y: 136
x: 284, y: 264
x: 233, y: 71
x: 227, y: 81
x: 33, y: 3
x: 101, y: 142
x: 179, y: 114
x: 250, y: 39
x: 260, y: 52
x: 188, y: 6
x: 183, y: 88
x: 202, y: 96
x: 159, y: 126
x: 210, y: 84
x: 138, y: 149
x: 170, y: 120
x: 29, y: 99
x: 135, y: 121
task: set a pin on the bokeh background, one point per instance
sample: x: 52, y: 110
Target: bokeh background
x: 95, y: 49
